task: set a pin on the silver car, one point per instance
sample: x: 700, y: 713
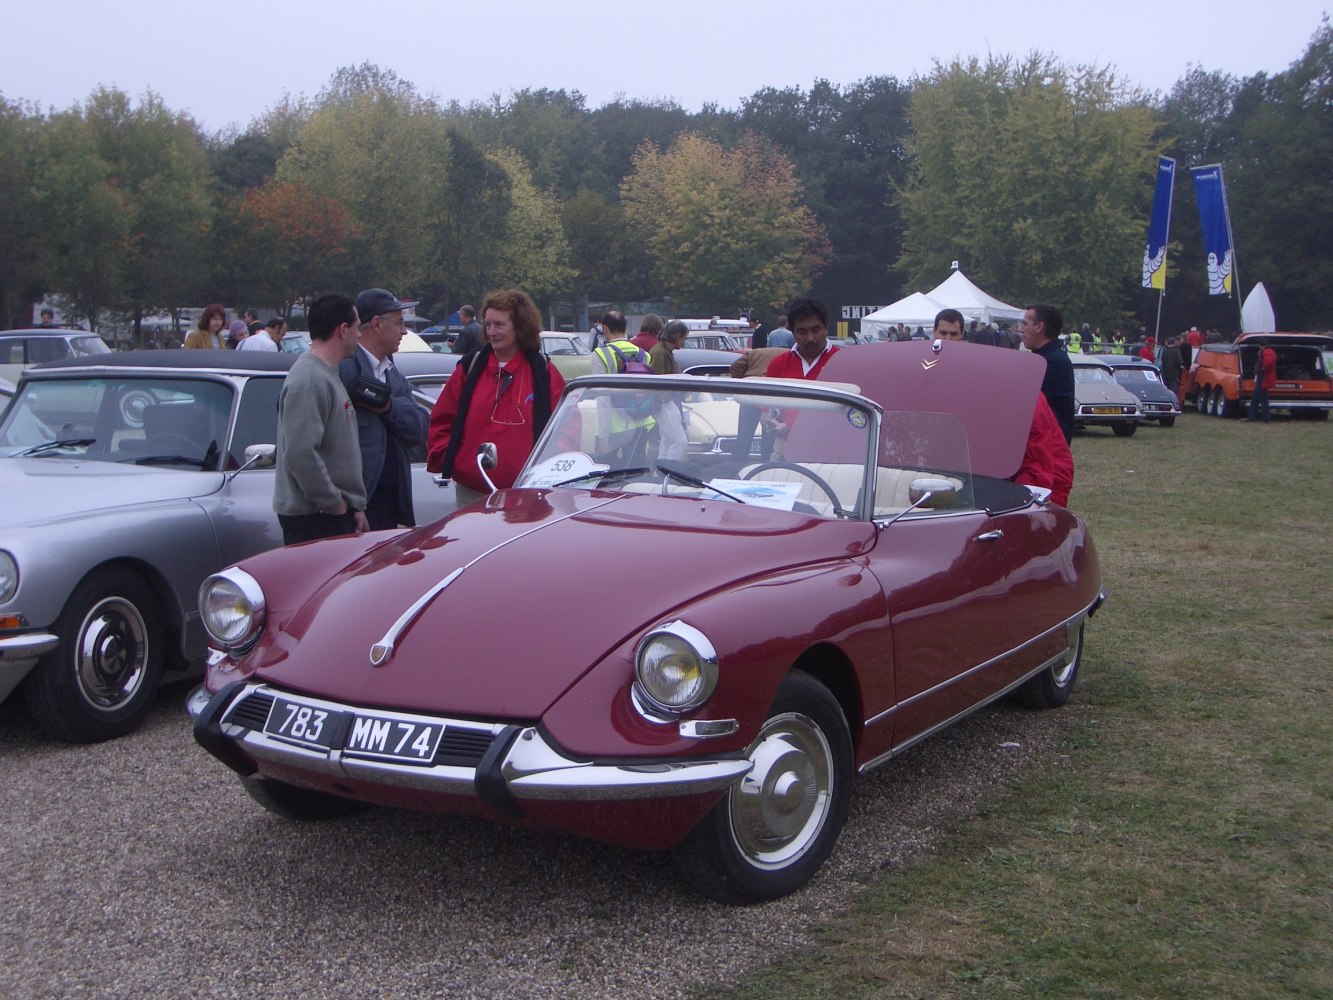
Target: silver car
x: 1102, y: 401
x: 128, y: 479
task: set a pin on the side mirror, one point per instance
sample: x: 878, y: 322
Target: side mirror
x: 932, y: 493
x: 260, y: 456
x: 487, y: 458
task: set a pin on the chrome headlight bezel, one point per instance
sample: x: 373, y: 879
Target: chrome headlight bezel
x: 675, y: 671
x: 9, y: 577
x: 232, y: 609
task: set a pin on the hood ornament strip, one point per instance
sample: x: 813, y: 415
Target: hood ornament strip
x: 382, y: 651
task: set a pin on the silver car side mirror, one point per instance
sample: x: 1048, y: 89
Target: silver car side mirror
x: 487, y: 458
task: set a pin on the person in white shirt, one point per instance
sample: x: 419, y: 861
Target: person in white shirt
x: 268, y: 339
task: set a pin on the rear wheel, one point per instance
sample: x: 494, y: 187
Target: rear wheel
x: 774, y: 829
x: 1220, y: 406
x: 1167, y: 422
x: 100, y: 681
x: 1051, y: 688
x: 1203, y: 399
x: 1125, y: 428
x: 299, y: 804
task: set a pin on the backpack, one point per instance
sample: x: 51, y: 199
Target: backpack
x: 637, y: 406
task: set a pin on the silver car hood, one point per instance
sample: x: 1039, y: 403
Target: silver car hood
x: 38, y: 490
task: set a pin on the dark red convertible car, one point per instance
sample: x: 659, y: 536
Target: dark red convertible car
x: 697, y: 653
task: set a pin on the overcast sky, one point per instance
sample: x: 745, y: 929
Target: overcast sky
x: 227, y: 62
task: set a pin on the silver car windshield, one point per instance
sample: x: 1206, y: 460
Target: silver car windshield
x: 145, y: 421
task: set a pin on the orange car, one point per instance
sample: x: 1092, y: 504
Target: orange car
x: 1221, y: 377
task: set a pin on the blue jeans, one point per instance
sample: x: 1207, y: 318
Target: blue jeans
x: 1259, y: 404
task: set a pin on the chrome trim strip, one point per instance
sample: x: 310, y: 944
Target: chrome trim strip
x: 1080, y: 616
x: 883, y: 758
x: 382, y: 651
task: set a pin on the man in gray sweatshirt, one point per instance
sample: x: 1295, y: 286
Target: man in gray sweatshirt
x: 318, y: 491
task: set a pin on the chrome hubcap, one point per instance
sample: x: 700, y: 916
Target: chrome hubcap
x: 778, y: 810
x: 111, y: 653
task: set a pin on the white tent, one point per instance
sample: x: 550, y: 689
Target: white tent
x: 958, y: 292
x: 955, y: 292
x: 916, y: 310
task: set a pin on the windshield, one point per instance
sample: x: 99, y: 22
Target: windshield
x: 759, y: 442
x: 565, y: 345
x: 145, y: 421
x: 1086, y: 373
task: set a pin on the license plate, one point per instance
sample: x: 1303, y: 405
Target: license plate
x: 394, y: 739
x: 301, y: 723
x: 1105, y: 409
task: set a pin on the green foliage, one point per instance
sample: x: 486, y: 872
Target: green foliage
x: 1033, y: 176
x: 533, y: 253
x: 21, y: 227
x: 723, y: 228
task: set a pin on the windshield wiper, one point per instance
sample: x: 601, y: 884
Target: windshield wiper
x: 45, y: 446
x: 689, y: 480
x: 607, y: 474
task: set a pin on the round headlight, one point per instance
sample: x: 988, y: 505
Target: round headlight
x: 9, y: 577
x: 232, y: 607
x: 676, y: 668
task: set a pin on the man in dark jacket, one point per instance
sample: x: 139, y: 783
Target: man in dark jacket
x: 1041, y: 335
x: 471, y: 338
x: 388, y: 420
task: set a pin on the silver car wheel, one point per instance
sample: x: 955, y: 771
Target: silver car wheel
x: 111, y: 653
x: 779, y: 809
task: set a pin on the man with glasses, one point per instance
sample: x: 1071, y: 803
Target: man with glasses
x: 388, y: 421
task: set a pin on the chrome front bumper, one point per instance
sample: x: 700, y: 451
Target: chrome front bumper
x: 19, y: 654
x: 517, y: 764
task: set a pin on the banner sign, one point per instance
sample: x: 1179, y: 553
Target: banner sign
x: 1154, y: 257
x: 1216, y: 222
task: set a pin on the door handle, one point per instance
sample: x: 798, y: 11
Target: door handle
x: 990, y: 536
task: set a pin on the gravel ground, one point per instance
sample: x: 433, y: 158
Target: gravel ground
x: 140, y: 868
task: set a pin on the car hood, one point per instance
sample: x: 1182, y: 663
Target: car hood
x: 546, y: 584
x: 42, y: 490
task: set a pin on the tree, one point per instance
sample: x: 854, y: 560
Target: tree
x: 421, y: 196
x: 534, y: 254
x: 88, y: 218
x: 1032, y: 175
x: 304, y: 238
x: 22, y: 232
x: 724, y: 229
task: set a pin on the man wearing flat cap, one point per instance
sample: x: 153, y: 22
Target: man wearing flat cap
x: 390, y: 424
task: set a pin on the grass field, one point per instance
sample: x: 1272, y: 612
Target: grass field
x: 1178, y: 846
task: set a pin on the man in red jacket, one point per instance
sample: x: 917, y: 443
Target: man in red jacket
x: 808, y: 321
x: 1265, y: 380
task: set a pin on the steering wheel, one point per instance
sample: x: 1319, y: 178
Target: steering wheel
x: 793, y: 467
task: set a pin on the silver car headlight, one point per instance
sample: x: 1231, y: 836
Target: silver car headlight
x: 9, y: 577
x: 232, y: 606
x: 675, y: 667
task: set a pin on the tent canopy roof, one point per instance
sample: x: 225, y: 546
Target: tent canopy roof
x: 955, y: 292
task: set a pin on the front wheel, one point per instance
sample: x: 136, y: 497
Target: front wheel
x: 775, y: 827
x: 100, y: 681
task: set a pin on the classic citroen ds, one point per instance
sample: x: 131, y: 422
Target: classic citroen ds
x: 696, y: 653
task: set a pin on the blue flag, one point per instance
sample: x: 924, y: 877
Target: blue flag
x: 1216, y: 222
x: 1154, y: 257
